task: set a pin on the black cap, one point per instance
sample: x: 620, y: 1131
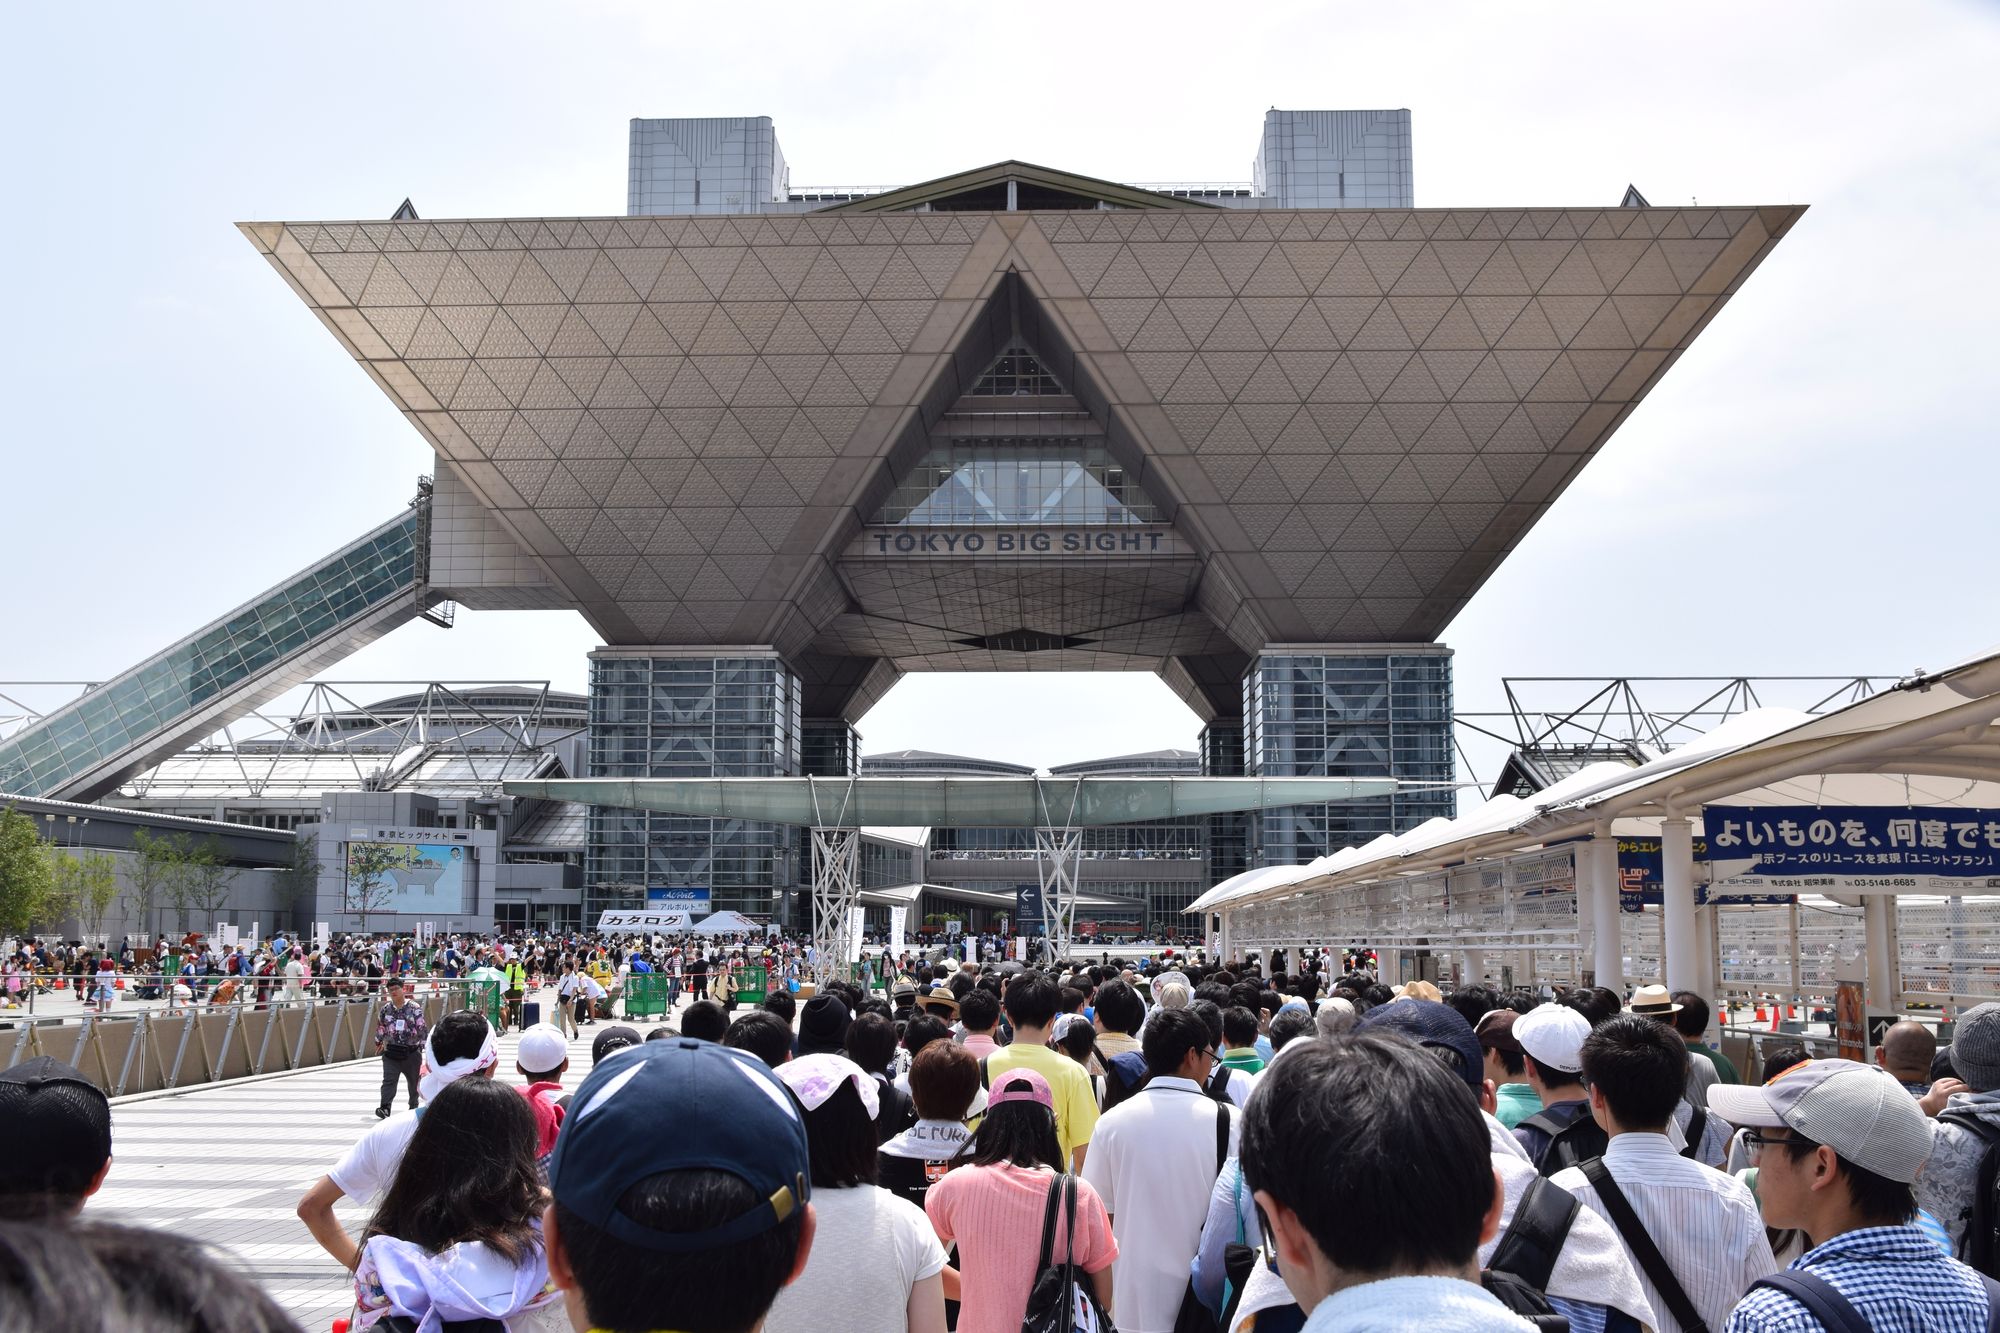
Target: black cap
x: 613, y: 1039
x: 823, y: 1026
x: 58, y: 1126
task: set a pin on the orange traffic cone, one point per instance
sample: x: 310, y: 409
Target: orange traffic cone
x: 1761, y: 1016
x: 1791, y: 1011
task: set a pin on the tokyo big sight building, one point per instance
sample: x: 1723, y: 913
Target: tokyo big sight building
x: 781, y: 445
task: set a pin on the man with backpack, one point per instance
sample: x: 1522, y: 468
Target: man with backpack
x: 1562, y: 1133
x: 1694, y: 1233
x: 1959, y: 1187
x: 1838, y: 1146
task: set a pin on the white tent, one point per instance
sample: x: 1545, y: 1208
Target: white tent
x: 727, y: 923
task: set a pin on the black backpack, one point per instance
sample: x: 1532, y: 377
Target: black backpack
x: 1569, y: 1145
x: 1522, y: 1263
x: 1980, y: 1245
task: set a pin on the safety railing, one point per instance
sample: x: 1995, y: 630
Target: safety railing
x: 157, y: 1050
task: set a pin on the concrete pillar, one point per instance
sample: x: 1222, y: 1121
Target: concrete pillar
x: 1878, y: 924
x: 1683, y: 960
x: 1474, y: 961
x: 1608, y: 946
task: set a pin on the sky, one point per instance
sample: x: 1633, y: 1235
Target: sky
x: 1809, y: 491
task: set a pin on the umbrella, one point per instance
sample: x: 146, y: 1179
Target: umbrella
x: 486, y: 974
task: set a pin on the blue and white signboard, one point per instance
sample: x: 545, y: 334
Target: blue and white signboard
x: 683, y: 900
x: 1854, y: 849
x: 1028, y: 919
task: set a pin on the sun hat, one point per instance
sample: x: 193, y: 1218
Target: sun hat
x: 1553, y: 1034
x: 1432, y: 1025
x: 1020, y: 1085
x: 730, y: 1113
x: 940, y: 995
x: 542, y: 1049
x: 1653, y: 1002
x: 815, y: 1078
x: 1419, y: 990
x: 1859, y: 1111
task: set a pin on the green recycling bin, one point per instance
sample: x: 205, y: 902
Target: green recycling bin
x: 645, y: 995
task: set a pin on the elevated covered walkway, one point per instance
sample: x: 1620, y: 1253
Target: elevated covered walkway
x: 225, y: 669
x: 1781, y: 854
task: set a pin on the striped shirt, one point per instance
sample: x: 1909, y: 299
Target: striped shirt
x: 1705, y: 1224
x: 1894, y: 1277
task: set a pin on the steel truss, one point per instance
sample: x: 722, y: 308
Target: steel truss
x: 836, y: 892
x: 1059, y: 856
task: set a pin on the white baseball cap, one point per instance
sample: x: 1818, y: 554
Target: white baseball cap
x: 542, y: 1049
x: 1859, y: 1111
x: 1553, y: 1034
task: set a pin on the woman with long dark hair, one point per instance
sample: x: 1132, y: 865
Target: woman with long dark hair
x: 458, y: 1234
x: 994, y: 1199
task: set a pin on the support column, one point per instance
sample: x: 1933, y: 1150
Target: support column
x: 1608, y: 945
x: 1683, y: 950
x: 1223, y: 948
x: 1473, y: 965
x: 1878, y: 924
x: 836, y: 857
x: 1058, y: 852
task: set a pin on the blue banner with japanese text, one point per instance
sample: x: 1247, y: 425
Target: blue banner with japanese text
x: 1910, y: 848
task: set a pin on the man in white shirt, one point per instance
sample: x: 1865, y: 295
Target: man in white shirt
x: 1154, y: 1160
x: 461, y: 1045
x: 1694, y: 1234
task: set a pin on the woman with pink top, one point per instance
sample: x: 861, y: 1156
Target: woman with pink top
x: 992, y: 1203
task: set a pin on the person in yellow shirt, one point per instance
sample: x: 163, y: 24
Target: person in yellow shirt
x: 1031, y: 1003
x: 600, y: 972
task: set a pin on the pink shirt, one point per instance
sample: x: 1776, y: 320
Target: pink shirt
x: 995, y: 1215
x: 980, y: 1044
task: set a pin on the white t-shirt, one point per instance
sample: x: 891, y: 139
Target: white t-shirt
x: 1152, y: 1161
x: 371, y: 1163
x: 869, y: 1250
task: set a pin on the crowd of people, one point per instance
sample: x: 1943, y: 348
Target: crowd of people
x: 1156, y: 1148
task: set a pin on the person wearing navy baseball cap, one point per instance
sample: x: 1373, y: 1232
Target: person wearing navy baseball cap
x: 681, y: 1192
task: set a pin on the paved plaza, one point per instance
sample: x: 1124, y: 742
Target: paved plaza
x: 226, y: 1165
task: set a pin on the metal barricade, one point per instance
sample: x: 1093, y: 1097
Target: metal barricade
x: 646, y: 995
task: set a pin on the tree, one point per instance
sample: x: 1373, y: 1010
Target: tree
x: 26, y: 876
x: 369, y: 888
x: 297, y: 884
x: 93, y: 887
x: 205, y: 881
x: 155, y: 871
x: 183, y: 858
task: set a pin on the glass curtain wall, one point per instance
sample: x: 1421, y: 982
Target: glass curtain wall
x: 1367, y: 714
x: 690, y: 717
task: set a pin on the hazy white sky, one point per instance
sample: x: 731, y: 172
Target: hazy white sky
x: 1810, y: 490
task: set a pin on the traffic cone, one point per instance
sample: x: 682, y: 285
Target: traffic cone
x: 1791, y: 1011
x: 1761, y: 1016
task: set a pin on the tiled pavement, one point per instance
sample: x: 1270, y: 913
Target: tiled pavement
x: 227, y: 1165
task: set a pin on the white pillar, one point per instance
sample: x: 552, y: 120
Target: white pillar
x: 1608, y: 949
x: 1474, y: 962
x: 1878, y: 925
x: 1223, y: 951
x: 1683, y: 960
